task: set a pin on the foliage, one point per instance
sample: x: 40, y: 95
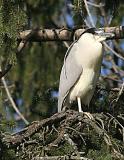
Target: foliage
x: 10, y: 25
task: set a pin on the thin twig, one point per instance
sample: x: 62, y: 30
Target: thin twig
x: 118, y: 124
x: 114, y: 52
x: 112, y: 79
x: 70, y: 141
x: 12, y: 102
x: 88, y: 12
x: 66, y: 44
x: 95, y: 5
x: 120, y: 92
x: 118, y: 49
x: 21, y: 46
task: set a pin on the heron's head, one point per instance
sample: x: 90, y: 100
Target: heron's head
x: 99, y: 34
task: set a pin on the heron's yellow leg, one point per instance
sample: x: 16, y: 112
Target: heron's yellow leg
x: 89, y: 115
x: 79, y: 104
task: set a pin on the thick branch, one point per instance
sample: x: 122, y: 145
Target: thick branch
x: 63, y: 34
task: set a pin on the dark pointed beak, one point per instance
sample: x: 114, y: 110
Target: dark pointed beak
x: 107, y: 35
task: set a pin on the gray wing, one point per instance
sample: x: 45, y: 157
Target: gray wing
x: 70, y: 73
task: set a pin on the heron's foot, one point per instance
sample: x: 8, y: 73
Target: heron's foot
x: 89, y: 115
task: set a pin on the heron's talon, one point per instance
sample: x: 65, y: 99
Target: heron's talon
x: 89, y: 115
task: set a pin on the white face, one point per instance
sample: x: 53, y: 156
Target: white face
x: 88, y: 38
x: 93, y: 37
x: 99, y: 38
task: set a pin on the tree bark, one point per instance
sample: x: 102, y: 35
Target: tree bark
x: 64, y: 34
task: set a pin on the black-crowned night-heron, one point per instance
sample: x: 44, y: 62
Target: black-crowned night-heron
x: 81, y: 69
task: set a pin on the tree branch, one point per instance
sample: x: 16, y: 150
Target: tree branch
x: 63, y: 34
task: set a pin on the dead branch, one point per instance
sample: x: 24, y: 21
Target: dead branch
x: 69, y: 128
x: 63, y: 34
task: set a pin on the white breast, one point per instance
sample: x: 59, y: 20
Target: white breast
x: 89, y: 56
x: 84, y: 87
